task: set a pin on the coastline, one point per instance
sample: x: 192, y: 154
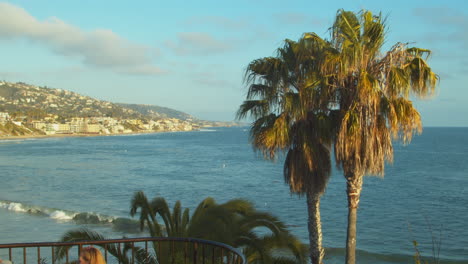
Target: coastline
x: 6, y: 138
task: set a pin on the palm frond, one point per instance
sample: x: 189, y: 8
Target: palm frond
x: 256, y: 109
x: 84, y: 234
x: 160, y: 207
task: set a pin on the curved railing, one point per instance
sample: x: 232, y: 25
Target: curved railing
x: 158, y: 250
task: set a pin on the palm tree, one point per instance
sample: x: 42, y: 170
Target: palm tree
x: 373, y: 99
x: 235, y: 223
x: 289, y: 101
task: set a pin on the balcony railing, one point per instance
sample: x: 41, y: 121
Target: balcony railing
x: 158, y: 250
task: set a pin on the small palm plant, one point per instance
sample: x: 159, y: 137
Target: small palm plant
x: 237, y: 223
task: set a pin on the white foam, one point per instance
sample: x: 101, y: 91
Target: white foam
x: 58, y: 215
x: 105, y: 218
x: 61, y: 215
x: 17, y: 207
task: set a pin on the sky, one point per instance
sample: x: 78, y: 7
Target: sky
x: 192, y: 55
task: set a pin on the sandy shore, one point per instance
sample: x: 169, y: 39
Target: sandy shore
x: 76, y: 135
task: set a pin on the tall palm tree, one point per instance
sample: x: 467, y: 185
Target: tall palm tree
x: 234, y: 223
x: 372, y: 91
x: 289, y: 102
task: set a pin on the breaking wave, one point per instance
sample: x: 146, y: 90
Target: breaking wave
x: 82, y: 218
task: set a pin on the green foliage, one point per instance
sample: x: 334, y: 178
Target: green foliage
x: 132, y: 127
x: 236, y: 223
x: 373, y: 92
x: 436, y: 243
x: 342, y: 90
x: 419, y: 259
x: 288, y: 98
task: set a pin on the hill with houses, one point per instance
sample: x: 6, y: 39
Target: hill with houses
x: 27, y: 99
x: 27, y: 109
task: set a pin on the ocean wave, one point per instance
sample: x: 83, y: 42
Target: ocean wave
x: 125, y: 225
x: 60, y: 215
x: 207, y: 130
x: 17, y: 207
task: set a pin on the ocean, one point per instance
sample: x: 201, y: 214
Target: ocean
x: 44, y: 183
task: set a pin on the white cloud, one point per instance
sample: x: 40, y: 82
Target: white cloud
x: 99, y: 48
x: 195, y: 43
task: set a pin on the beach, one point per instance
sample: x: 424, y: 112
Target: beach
x: 2, y: 137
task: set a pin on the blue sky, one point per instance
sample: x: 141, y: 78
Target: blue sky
x: 191, y: 55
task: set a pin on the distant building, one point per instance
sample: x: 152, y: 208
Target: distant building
x: 39, y: 125
x: 4, y: 117
x: 78, y: 125
x: 93, y: 128
x: 64, y: 129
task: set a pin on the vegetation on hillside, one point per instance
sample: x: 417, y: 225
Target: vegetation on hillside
x: 21, y: 99
x: 11, y: 129
x: 156, y: 112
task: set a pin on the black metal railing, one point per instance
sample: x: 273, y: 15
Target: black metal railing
x: 158, y: 250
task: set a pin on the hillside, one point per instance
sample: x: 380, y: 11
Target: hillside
x: 156, y: 112
x: 36, y: 102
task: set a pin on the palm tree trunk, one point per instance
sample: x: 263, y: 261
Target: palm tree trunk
x: 315, y: 228
x: 354, y: 187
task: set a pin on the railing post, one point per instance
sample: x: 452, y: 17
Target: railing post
x: 173, y: 252
x: 185, y: 252
x: 213, y: 256
x: 105, y: 252
x: 53, y: 255
x: 119, y: 249
x: 133, y: 252
x: 79, y: 249
x: 146, y: 248
x: 158, y: 255
x: 195, y: 248
x: 203, y: 253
